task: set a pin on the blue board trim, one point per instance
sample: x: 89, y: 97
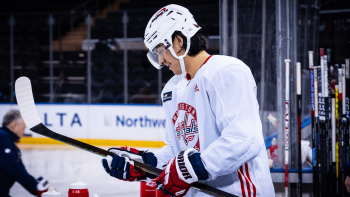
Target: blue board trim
x: 279, y: 170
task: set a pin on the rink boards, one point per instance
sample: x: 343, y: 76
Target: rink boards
x: 130, y: 125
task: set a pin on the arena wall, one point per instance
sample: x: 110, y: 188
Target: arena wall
x: 99, y: 124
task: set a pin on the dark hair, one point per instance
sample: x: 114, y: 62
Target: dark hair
x: 198, y: 43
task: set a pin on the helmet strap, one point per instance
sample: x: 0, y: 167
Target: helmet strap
x: 183, y: 68
x: 181, y: 58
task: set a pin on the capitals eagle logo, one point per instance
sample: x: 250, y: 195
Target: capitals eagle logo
x: 186, y: 128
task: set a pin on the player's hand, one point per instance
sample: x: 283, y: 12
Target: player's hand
x: 120, y: 166
x: 42, y: 185
x: 181, y: 172
x: 347, y: 184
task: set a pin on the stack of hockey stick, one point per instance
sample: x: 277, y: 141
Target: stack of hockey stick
x: 330, y: 92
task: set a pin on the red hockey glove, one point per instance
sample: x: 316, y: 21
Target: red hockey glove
x: 42, y: 185
x: 180, y: 173
x: 121, y: 167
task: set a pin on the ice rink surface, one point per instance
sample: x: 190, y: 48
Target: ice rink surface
x: 62, y: 165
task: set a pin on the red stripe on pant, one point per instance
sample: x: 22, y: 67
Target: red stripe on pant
x: 246, y: 181
x: 242, y: 184
x: 247, y: 172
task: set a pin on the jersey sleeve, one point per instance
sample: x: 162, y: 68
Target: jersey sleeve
x: 164, y: 155
x: 231, y: 92
x: 14, y: 168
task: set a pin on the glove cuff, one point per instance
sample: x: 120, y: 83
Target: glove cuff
x: 150, y: 159
x: 135, y: 154
x: 184, y: 166
x: 198, y: 166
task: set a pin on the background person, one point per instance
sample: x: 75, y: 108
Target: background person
x: 11, y: 166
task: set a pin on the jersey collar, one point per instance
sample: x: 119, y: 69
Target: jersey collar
x: 188, y: 77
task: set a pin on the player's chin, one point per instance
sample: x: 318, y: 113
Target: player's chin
x: 175, y: 72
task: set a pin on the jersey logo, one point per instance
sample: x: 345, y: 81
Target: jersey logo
x: 167, y: 96
x: 186, y: 131
x: 196, y: 89
x: 186, y: 126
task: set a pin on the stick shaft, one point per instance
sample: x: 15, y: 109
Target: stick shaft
x: 327, y: 124
x: 322, y: 115
x: 344, y: 123
x: 300, y: 181
x: 337, y: 130
x: 286, y: 130
x: 340, y: 129
x: 315, y: 142
x: 313, y: 129
x: 347, y: 98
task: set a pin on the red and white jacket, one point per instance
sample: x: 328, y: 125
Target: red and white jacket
x: 217, y: 113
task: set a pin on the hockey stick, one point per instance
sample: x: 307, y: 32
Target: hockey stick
x: 344, y: 123
x: 286, y: 130
x: 316, y: 142
x: 327, y: 122
x: 336, y: 129
x: 347, y: 99
x: 300, y: 181
x: 31, y: 118
x: 330, y: 181
x: 322, y: 125
x: 340, y: 130
x: 333, y: 165
x: 314, y: 172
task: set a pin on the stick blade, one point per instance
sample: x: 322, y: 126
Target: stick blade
x: 26, y: 103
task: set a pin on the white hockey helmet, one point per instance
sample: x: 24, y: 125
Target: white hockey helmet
x: 161, y: 27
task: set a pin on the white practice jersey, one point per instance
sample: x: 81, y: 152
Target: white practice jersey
x: 216, y: 113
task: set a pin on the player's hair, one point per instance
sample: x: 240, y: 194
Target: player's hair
x: 12, y: 115
x: 198, y: 43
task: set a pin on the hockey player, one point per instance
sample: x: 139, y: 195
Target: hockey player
x: 213, y: 130
x: 11, y: 166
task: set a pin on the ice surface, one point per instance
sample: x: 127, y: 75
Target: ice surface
x: 62, y: 167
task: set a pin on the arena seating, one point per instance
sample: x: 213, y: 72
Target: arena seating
x: 31, y: 55
x: 142, y: 77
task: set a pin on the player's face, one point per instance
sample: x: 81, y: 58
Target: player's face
x: 166, y: 58
x: 19, y: 127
